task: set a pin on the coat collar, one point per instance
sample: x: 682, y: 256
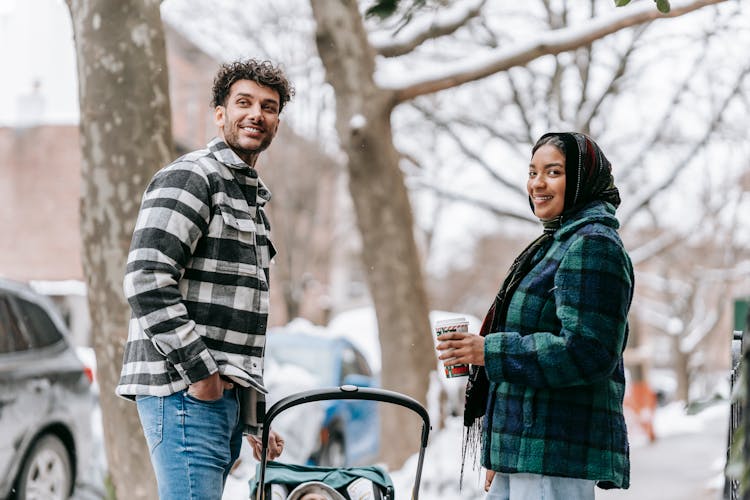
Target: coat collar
x: 597, y: 211
x: 223, y: 153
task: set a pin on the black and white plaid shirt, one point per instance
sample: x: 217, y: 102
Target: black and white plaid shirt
x: 197, y: 276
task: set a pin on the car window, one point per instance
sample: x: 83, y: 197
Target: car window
x: 4, y: 327
x: 36, y: 323
x: 12, y: 339
x: 41, y: 331
x: 349, y: 364
x: 364, y: 366
x: 353, y: 362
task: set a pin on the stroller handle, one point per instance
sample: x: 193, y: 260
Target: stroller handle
x: 350, y: 392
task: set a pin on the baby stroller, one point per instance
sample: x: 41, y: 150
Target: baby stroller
x: 333, y: 481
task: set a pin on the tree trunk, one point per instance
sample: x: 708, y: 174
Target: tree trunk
x: 384, y: 216
x: 125, y: 136
x: 681, y: 370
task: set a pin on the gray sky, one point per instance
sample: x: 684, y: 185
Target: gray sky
x: 36, y: 44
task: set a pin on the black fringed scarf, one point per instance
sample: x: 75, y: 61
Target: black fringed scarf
x: 588, y: 177
x: 477, y: 387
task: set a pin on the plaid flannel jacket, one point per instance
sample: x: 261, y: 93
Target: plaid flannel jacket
x: 197, y: 276
x: 556, y: 369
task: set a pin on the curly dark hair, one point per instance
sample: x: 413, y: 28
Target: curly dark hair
x: 261, y: 72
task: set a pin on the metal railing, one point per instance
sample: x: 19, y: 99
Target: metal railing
x: 731, y: 486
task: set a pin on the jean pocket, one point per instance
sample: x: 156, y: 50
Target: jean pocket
x: 151, y: 413
x: 211, y: 402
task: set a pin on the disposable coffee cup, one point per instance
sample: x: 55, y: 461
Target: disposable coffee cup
x: 448, y: 326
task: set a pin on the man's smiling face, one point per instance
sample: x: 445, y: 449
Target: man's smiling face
x: 249, y: 119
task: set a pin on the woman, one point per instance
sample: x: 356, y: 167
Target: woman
x: 547, y: 380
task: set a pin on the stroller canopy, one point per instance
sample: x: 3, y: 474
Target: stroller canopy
x: 292, y: 475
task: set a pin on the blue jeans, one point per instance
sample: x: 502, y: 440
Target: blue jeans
x: 538, y: 487
x: 193, y: 443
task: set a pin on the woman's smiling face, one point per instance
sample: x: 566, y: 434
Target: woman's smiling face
x: 546, y: 182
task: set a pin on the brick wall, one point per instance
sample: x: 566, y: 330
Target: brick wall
x: 39, y: 191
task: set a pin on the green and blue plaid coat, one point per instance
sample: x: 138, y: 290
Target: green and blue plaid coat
x: 555, y: 368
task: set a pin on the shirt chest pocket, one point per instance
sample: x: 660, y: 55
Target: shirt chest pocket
x: 233, y: 241
x: 236, y: 226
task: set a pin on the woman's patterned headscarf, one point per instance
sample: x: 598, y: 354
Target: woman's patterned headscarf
x: 588, y: 173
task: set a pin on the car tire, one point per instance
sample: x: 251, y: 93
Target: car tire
x: 46, y: 472
x: 333, y: 454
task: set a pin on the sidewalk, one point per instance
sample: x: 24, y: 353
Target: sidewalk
x: 684, y: 463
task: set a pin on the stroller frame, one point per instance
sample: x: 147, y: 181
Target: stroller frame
x: 344, y: 392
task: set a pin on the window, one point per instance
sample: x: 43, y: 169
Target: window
x: 12, y: 338
x: 353, y: 363
x: 364, y: 366
x: 41, y: 330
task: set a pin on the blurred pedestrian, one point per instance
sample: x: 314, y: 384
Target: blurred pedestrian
x: 641, y: 401
x: 546, y: 387
x: 197, y: 283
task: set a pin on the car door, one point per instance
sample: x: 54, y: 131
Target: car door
x: 17, y: 414
x: 34, y: 363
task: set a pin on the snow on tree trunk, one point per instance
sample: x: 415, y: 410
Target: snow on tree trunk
x: 125, y: 136
x: 384, y: 217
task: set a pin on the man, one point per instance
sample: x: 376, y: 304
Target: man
x: 197, y: 283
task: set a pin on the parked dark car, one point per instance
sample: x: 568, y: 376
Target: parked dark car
x: 350, y: 432
x: 45, y: 400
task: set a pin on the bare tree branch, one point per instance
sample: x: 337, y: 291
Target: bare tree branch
x: 554, y: 42
x: 553, y: 95
x: 704, y: 317
x: 660, y: 127
x: 654, y: 247
x: 522, y: 111
x: 584, y: 62
x: 648, y: 195
x: 415, y: 33
x: 465, y: 149
x: 476, y: 202
x: 611, y: 88
x: 514, y: 140
x: 662, y: 283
